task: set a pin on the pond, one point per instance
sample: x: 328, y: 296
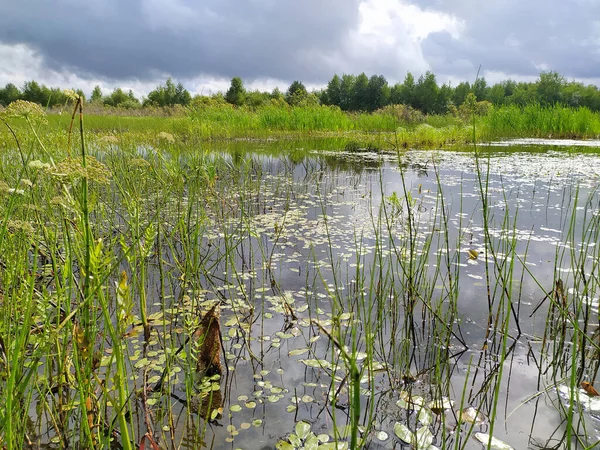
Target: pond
x: 422, y: 299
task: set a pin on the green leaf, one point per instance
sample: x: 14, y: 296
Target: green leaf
x: 424, y: 438
x: 283, y: 445
x: 295, y: 440
x: 403, y: 433
x: 300, y: 351
x: 495, y: 444
x: 302, y: 429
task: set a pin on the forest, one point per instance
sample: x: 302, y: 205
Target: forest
x: 351, y: 93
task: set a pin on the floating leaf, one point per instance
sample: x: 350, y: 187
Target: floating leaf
x: 408, y: 402
x: 311, y: 442
x: 494, y: 443
x: 235, y: 408
x: 316, y: 363
x: 425, y: 416
x: 295, y: 440
x: 381, y: 435
x: 284, y: 445
x: 473, y: 254
x: 589, y: 389
x: 302, y: 429
x: 423, y: 438
x: 471, y: 415
x: 439, y: 406
x: 403, y: 433
x: 299, y: 351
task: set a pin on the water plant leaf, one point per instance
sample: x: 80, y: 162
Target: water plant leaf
x: 473, y: 254
x: 471, y: 415
x: 381, y: 435
x: 322, y: 363
x: 441, y: 405
x: 589, y: 389
x: 423, y: 438
x: 425, y: 416
x: 299, y: 351
x: 494, y: 443
x: 295, y: 440
x: 410, y: 402
x: 311, y: 442
x: 403, y: 433
x: 302, y: 429
x: 284, y: 445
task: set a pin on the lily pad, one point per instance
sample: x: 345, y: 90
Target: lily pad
x: 403, y: 433
x: 302, y: 429
x: 471, y: 415
x: 495, y: 443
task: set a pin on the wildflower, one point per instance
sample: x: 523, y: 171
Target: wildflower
x: 20, y: 225
x: 37, y: 164
x: 71, y: 94
x: 109, y: 139
x: 28, y: 110
x: 72, y: 168
x: 168, y: 137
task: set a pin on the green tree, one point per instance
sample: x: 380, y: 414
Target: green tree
x: 296, y: 93
x: 549, y: 88
x: 461, y: 91
x: 35, y: 93
x: 182, y: 95
x: 256, y: 99
x: 378, y: 93
x: 480, y: 89
x: 407, y: 95
x: 496, y: 94
x: 524, y: 94
x: 426, y: 93
x: 333, y: 92
x: 236, y: 93
x: 168, y: 95
x: 360, y: 93
x: 9, y: 94
x: 346, y: 91
x: 116, y: 98
x: 444, y: 99
x: 96, y: 95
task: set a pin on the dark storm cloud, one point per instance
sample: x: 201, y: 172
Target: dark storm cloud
x: 517, y: 37
x: 148, y: 38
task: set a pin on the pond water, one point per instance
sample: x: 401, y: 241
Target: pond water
x: 432, y: 296
x: 435, y: 274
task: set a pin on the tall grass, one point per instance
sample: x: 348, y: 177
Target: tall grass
x: 538, y: 121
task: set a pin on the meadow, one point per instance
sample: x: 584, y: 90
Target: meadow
x: 212, y: 280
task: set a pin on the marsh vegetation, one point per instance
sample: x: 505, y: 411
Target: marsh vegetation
x: 161, y: 291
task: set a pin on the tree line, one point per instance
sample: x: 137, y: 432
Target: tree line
x: 168, y: 94
x: 348, y: 92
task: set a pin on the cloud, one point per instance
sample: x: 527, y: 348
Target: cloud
x: 517, y: 37
x: 149, y: 38
x: 139, y: 43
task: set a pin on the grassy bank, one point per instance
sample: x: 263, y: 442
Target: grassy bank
x: 392, y: 127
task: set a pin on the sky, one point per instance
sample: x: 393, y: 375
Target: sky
x: 138, y: 44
